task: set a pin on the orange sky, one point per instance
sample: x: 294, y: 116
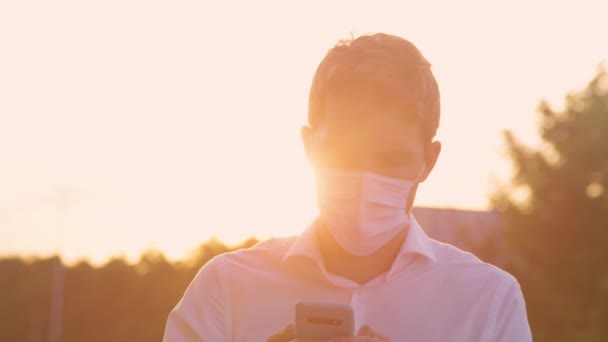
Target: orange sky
x: 153, y: 123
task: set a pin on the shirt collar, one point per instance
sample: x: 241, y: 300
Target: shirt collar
x: 306, y: 245
x: 416, y: 242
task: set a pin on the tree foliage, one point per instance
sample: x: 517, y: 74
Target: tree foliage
x: 557, y: 237
x: 115, y: 302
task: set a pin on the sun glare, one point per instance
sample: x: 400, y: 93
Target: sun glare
x: 176, y: 124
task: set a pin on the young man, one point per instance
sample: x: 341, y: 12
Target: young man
x: 373, y: 113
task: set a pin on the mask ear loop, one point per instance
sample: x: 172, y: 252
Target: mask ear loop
x: 416, y: 181
x: 420, y: 173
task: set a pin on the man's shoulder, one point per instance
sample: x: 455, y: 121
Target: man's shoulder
x: 263, y: 255
x: 465, y: 267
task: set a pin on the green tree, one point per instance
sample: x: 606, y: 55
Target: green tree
x: 557, y: 235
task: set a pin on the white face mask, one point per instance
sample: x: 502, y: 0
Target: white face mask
x: 362, y: 210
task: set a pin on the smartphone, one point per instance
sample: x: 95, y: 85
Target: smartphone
x: 319, y: 321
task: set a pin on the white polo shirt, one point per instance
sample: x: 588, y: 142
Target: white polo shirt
x: 433, y: 292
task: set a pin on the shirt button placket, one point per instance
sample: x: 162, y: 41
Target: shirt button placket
x: 357, y: 302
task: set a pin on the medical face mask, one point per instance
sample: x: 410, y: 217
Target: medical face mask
x: 362, y: 210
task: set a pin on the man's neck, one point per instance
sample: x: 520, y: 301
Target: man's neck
x: 360, y: 269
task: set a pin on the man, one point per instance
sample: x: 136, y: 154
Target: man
x: 373, y: 113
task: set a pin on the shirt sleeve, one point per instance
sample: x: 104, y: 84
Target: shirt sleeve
x: 201, y: 314
x: 512, y: 321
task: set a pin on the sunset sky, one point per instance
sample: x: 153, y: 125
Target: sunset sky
x: 131, y: 124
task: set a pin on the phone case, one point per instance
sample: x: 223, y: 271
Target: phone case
x: 322, y: 320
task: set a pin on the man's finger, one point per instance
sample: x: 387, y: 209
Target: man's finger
x: 286, y: 335
x: 368, y: 331
x: 365, y: 330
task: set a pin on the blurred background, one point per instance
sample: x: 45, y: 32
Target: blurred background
x: 138, y: 139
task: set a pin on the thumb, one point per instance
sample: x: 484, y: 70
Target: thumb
x: 368, y: 331
x: 285, y: 335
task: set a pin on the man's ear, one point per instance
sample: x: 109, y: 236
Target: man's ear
x: 432, y: 154
x: 307, y: 136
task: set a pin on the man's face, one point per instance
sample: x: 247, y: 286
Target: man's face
x: 370, y: 138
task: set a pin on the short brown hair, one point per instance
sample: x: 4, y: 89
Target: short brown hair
x: 379, y: 67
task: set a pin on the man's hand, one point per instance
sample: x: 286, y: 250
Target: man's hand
x: 287, y: 334
x: 365, y: 334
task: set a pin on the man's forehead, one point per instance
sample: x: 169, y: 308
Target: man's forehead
x: 359, y: 137
x: 368, y: 123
